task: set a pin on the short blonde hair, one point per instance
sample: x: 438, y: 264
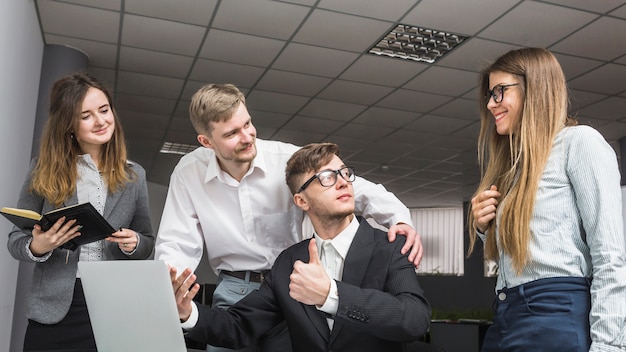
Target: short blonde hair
x: 214, y: 103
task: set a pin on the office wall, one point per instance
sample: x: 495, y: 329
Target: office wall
x: 22, y: 51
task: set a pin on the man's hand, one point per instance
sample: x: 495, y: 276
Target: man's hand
x: 185, y: 289
x: 309, y: 282
x: 413, y: 241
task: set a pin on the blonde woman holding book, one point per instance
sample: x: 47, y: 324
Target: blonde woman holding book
x: 82, y: 159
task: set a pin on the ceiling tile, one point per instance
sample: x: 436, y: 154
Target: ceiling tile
x: 575, y: 66
x: 341, y: 31
x: 332, y: 110
x: 314, y: 60
x: 619, y: 12
x: 292, y: 83
x: 580, y: 99
x: 154, y: 62
x: 354, y: 92
x: 383, y: 70
x: 585, y: 42
x: 384, y: 117
x: 613, y: 108
x: 384, y: 10
x: 210, y: 71
x: 412, y: 137
x: 115, y: 5
x: 603, y: 6
x: 474, y: 54
x: 460, y: 108
x: 149, y: 85
x: 259, y: 18
x: 313, y: 125
x: 363, y: 131
x: 197, y: 12
x: 347, y: 144
x: 145, y: 104
x: 460, y: 17
x: 410, y: 100
x: 438, y: 125
x: 298, y: 137
x: 442, y: 80
x: 79, y: 21
x: 275, y: 102
x: 161, y: 35
x: 268, y: 119
x: 243, y: 48
x: 608, y: 79
x: 612, y: 131
x: 539, y: 16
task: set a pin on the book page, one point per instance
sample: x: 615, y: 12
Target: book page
x: 25, y: 213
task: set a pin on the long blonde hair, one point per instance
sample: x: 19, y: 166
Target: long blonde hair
x: 514, y: 163
x: 55, y: 174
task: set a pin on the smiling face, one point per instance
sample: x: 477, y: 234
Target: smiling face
x: 327, y: 203
x: 96, y: 123
x: 507, y: 111
x: 234, y: 140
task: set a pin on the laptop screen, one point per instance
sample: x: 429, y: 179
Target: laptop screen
x: 131, y: 305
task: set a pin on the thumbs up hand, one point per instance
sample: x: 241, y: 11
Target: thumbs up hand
x: 309, y: 282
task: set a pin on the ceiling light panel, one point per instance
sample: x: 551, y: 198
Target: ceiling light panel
x: 416, y: 43
x: 177, y: 148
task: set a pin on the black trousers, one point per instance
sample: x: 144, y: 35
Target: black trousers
x: 73, y: 333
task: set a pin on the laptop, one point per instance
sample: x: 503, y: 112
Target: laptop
x: 131, y: 306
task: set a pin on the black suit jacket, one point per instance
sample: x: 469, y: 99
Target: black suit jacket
x: 381, y: 304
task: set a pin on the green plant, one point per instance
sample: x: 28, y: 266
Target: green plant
x: 456, y: 314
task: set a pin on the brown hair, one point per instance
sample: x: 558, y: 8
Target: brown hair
x: 55, y: 174
x: 515, y: 162
x: 214, y: 103
x: 308, y: 158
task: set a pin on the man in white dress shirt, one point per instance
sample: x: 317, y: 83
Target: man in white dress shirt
x: 230, y: 196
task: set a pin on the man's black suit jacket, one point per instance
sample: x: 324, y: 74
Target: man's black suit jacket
x: 381, y: 304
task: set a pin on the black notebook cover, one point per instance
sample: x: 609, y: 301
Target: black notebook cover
x: 94, y: 226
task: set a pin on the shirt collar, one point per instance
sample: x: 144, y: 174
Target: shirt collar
x: 342, y: 241
x: 214, y: 170
x: 87, y: 161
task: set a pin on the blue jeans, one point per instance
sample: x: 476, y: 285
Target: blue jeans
x: 544, y: 315
x: 230, y: 290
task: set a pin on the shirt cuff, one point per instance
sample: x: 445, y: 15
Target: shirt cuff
x: 332, y: 301
x: 41, y: 259
x: 193, y: 318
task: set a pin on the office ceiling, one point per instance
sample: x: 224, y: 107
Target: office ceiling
x: 304, y: 69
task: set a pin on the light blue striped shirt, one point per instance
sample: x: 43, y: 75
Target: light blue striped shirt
x: 577, y: 229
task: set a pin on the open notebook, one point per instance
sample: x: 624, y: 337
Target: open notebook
x: 131, y: 306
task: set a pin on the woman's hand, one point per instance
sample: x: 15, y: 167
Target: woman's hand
x: 484, y: 207
x: 126, y: 239
x: 46, y: 241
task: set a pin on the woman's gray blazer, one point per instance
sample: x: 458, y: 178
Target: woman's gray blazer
x: 50, y: 294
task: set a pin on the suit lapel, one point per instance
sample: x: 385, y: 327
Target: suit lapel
x: 356, y: 263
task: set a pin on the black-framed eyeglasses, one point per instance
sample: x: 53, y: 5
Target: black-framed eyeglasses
x: 497, y: 93
x: 328, y: 178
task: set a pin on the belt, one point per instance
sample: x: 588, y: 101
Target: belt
x: 254, y: 276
